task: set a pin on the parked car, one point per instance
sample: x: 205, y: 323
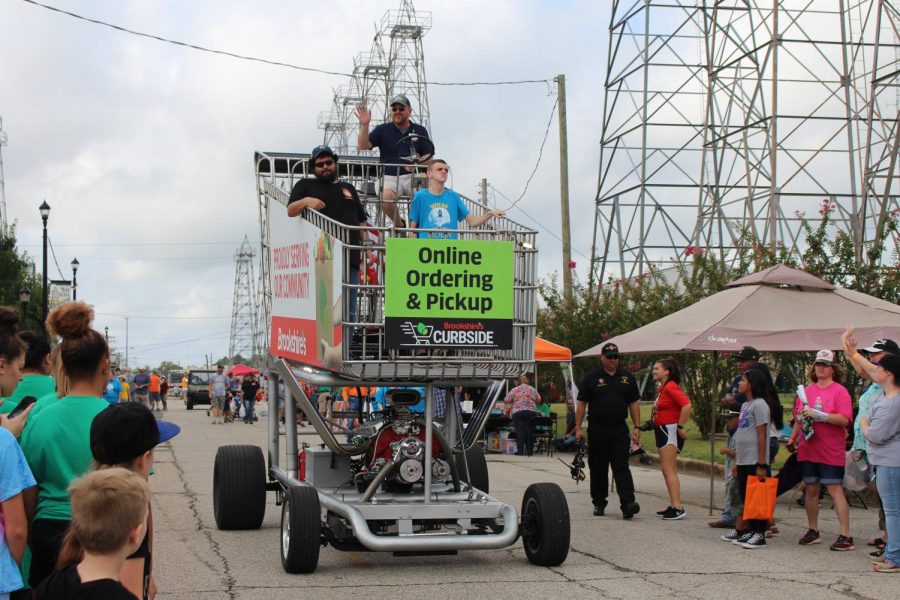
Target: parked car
x: 198, y: 387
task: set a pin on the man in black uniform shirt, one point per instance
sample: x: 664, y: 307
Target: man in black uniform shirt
x: 609, y: 394
x: 336, y: 200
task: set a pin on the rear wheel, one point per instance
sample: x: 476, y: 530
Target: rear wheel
x: 478, y: 469
x: 545, y: 524
x: 239, y: 487
x: 301, y: 530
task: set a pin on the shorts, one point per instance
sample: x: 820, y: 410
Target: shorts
x: 667, y: 435
x: 154, y: 396
x: 814, y: 472
x: 401, y: 184
x: 218, y: 402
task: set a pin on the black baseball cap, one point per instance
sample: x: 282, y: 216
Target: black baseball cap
x: 747, y: 353
x: 883, y: 345
x: 122, y: 432
x: 322, y: 151
x: 610, y: 350
x: 400, y: 99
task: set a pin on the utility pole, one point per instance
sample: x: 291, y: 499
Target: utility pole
x: 484, y: 199
x: 564, y: 186
x: 126, y: 343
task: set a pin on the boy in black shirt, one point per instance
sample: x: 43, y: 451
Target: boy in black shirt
x: 109, y: 518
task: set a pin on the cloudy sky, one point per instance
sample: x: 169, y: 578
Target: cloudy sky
x: 144, y: 149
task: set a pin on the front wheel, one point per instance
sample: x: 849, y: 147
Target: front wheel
x: 239, y: 487
x: 301, y: 529
x: 546, y: 528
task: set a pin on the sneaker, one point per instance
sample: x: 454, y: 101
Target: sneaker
x: 877, y: 556
x: 674, y: 514
x: 664, y: 511
x: 812, y: 537
x: 630, y: 509
x: 743, y: 538
x: 756, y: 541
x: 842, y: 544
x: 720, y: 525
x: 731, y: 536
x: 886, y: 567
x: 599, y: 510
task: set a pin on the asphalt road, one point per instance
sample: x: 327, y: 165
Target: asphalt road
x: 609, y: 557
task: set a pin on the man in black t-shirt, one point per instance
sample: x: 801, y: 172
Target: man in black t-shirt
x: 336, y: 200
x: 609, y: 395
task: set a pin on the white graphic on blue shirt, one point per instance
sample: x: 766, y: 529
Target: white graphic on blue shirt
x: 439, y: 216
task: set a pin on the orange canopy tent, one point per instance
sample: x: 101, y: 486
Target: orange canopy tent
x: 545, y: 351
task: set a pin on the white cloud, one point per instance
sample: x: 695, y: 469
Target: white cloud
x: 133, y: 141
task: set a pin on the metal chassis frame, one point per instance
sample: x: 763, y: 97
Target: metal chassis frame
x: 432, y: 504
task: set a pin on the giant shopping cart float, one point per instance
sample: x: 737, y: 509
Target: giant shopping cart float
x: 425, y: 313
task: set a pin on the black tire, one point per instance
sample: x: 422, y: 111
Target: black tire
x: 546, y: 525
x: 478, y: 469
x: 239, y: 487
x: 189, y: 403
x: 301, y: 530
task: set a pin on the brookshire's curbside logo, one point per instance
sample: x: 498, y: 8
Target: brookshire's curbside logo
x: 448, y: 293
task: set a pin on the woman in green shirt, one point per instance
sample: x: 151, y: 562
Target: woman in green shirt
x: 57, y: 440
x: 36, y: 380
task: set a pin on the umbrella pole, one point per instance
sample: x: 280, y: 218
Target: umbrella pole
x: 712, y: 433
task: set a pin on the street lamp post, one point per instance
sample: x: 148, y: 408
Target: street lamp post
x: 24, y: 298
x: 75, y: 264
x: 45, y: 214
x: 106, y: 333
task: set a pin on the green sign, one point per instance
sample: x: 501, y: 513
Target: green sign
x: 448, y: 293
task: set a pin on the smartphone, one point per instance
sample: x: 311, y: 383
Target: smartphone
x: 24, y: 404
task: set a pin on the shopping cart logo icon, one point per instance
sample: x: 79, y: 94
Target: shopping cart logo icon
x: 420, y: 332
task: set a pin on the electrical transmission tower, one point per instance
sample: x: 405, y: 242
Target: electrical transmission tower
x: 243, y: 339
x: 735, y: 117
x: 395, y: 64
x: 4, y: 224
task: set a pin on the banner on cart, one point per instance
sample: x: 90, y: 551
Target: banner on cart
x: 306, y: 292
x: 448, y: 294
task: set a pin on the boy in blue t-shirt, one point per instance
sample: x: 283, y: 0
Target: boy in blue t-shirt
x: 439, y: 207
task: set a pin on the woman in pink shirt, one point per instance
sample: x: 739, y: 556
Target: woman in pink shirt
x: 822, y: 453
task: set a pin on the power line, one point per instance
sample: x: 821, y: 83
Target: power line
x: 53, y: 253
x: 540, y: 155
x: 124, y: 244
x: 273, y: 63
x: 161, y: 318
x: 536, y: 222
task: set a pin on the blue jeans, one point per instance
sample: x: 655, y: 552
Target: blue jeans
x: 888, y: 482
x: 727, y: 517
x: 248, y: 411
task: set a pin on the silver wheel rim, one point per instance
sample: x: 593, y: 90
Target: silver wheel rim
x: 285, y: 529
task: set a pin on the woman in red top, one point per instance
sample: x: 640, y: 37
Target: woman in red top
x: 671, y: 411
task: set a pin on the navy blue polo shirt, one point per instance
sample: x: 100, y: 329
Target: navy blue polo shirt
x: 385, y: 138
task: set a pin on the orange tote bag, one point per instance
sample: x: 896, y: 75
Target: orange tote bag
x: 759, y: 503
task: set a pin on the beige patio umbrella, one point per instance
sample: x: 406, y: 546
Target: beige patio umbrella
x: 779, y: 309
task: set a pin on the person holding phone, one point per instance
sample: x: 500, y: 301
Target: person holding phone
x: 36, y: 380
x: 15, y: 476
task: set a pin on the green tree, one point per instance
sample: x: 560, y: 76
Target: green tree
x: 16, y: 270
x: 165, y: 367
x: 591, y: 315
